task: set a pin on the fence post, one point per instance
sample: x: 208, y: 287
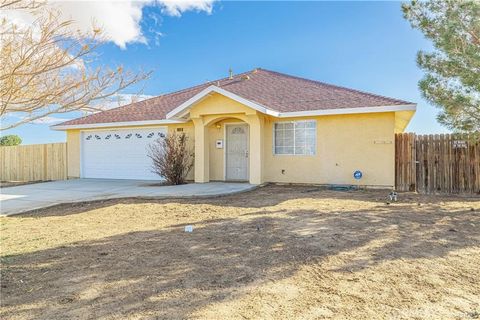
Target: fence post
x: 45, y: 167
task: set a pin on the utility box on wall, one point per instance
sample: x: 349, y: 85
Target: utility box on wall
x: 219, y: 144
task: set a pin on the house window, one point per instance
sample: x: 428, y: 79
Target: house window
x: 295, y: 137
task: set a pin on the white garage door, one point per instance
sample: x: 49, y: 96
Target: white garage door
x: 119, y: 154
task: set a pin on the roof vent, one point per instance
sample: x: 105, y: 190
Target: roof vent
x: 246, y: 77
x: 230, y: 74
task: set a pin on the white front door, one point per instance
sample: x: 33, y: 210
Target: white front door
x: 119, y: 154
x: 236, y: 152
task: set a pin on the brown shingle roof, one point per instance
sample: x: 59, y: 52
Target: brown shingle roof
x: 276, y: 91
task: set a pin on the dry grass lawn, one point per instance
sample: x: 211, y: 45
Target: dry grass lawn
x: 279, y: 252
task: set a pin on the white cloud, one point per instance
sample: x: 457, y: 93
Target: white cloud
x: 176, y: 8
x: 19, y: 116
x: 121, y: 99
x: 119, y: 20
x: 49, y: 120
x: 115, y: 101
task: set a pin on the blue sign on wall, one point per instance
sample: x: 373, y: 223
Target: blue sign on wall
x: 357, y: 174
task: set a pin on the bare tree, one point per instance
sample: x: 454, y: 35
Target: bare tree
x: 45, y: 67
x: 21, y: 4
x: 171, y: 158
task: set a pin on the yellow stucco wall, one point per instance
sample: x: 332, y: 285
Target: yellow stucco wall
x: 216, y: 155
x: 402, y: 118
x: 73, y: 154
x: 345, y: 143
x: 216, y: 104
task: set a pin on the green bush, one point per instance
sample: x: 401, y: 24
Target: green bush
x: 10, y: 140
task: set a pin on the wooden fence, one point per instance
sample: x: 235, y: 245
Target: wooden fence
x: 440, y: 163
x: 34, y: 162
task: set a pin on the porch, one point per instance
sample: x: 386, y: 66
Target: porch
x: 228, y: 148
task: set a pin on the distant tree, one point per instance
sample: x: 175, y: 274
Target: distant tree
x: 452, y: 71
x: 10, y: 140
x: 44, y: 67
x: 172, y: 158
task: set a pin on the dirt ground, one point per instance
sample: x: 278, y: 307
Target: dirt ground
x: 279, y: 252
x: 7, y: 184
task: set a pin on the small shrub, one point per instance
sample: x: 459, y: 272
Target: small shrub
x: 10, y: 140
x: 171, y: 158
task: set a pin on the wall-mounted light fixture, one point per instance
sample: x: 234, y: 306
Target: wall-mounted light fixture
x: 218, y: 125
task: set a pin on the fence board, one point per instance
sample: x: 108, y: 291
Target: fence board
x: 445, y: 163
x: 34, y: 162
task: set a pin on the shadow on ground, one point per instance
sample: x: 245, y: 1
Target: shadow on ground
x: 267, y: 196
x: 168, y: 273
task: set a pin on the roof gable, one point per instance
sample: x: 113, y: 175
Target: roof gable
x: 178, y: 111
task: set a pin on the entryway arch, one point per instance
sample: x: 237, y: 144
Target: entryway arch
x: 238, y: 157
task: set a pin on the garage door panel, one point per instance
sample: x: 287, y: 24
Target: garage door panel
x: 119, y: 154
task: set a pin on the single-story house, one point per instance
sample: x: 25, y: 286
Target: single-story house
x: 259, y: 126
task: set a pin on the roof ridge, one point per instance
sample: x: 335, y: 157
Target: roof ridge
x: 178, y: 91
x: 199, y: 85
x: 335, y: 86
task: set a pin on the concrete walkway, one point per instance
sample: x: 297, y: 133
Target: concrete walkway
x: 24, y: 198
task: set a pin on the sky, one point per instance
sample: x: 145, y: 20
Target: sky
x: 362, y: 45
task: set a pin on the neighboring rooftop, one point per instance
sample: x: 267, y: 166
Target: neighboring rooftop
x: 276, y: 91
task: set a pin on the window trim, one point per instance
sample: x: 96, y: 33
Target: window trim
x: 294, y: 155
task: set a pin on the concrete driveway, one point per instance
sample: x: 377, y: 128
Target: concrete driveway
x: 14, y: 200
